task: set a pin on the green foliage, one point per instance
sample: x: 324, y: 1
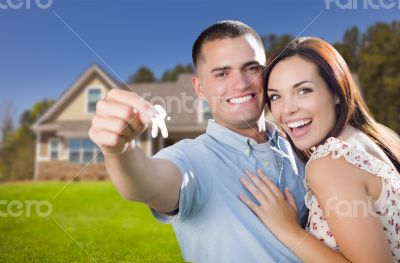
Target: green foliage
x: 17, y: 157
x: 172, y: 75
x: 349, y: 47
x: 378, y: 72
x: 375, y: 57
x: 142, y: 75
x: 6, y: 128
x: 31, y: 116
x: 145, y: 75
x: 273, y: 42
x: 7, y: 110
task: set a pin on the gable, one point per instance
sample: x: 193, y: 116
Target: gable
x: 76, y: 108
x: 72, y: 103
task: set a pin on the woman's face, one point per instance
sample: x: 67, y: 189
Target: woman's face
x: 301, y: 101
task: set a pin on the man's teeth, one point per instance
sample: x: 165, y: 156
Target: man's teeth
x: 298, y: 123
x: 241, y: 99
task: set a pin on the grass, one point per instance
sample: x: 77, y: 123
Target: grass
x: 93, y: 214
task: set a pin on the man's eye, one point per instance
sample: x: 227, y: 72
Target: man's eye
x: 255, y: 68
x: 305, y: 91
x: 220, y: 75
x: 274, y: 97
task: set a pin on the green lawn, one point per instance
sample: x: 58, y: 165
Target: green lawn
x: 93, y: 214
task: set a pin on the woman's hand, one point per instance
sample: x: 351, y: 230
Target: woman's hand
x: 276, y: 210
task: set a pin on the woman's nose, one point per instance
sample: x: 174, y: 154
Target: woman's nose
x: 291, y: 106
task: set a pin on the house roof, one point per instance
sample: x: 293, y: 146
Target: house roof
x: 178, y: 98
x: 70, y: 92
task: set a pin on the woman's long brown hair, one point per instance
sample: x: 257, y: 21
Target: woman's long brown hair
x: 351, y: 108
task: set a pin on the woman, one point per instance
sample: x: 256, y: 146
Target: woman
x: 352, y: 172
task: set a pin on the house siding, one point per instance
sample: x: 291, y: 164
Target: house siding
x: 76, y: 109
x: 66, y: 171
x: 68, y: 118
x: 44, y: 144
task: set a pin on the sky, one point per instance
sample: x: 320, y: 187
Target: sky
x: 43, y: 51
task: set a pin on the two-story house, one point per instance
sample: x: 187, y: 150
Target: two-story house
x: 63, y: 148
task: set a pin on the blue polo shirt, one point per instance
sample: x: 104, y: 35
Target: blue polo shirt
x: 212, y: 224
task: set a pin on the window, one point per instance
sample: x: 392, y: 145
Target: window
x: 93, y: 98
x: 205, y: 110
x: 54, y: 149
x: 83, y: 151
x: 74, y: 150
x: 88, y: 146
x: 99, y: 155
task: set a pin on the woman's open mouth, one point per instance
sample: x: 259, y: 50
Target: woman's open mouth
x: 299, y: 128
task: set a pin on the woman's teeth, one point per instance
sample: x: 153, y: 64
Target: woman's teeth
x: 243, y: 99
x: 296, y: 124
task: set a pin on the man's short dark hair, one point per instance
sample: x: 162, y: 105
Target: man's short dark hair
x: 222, y: 30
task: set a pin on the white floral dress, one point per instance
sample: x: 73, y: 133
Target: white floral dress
x: 387, y: 206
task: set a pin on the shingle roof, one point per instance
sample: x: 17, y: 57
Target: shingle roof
x: 178, y: 98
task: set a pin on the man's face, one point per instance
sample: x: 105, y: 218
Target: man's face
x: 229, y: 78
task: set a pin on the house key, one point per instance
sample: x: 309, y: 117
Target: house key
x: 158, y: 121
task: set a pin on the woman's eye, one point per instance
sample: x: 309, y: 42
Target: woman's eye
x: 305, y: 91
x: 273, y: 97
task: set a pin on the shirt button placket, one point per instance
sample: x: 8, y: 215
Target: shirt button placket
x: 266, y: 164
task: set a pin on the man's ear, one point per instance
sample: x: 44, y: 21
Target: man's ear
x: 196, y: 83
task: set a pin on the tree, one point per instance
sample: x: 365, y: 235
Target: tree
x: 379, y: 72
x: 31, y: 116
x: 142, y: 75
x: 349, y: 47
x: 18, y: 149
x: 7, y: 110
x: 273, y: 42
x: 18, y: 155
x: 172, y: 75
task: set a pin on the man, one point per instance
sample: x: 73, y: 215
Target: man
x: 194, y: 184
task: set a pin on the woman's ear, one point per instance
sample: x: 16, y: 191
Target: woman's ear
x: 337, y: 100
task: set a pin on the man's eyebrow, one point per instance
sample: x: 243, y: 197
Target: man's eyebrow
x: 294, y: 86
x: 254, y: 62
x: 220, y: 68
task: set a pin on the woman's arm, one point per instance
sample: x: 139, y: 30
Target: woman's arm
x: 342, y: 194
x: 310, y: 249
x: 359, y: 235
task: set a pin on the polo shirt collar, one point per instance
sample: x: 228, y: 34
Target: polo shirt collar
x: 237, y: 141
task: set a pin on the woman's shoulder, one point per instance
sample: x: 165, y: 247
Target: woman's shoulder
x: 332, y: 146
x: 327, y: 167
x: 352, y: 155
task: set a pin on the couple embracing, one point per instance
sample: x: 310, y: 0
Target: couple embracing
x: 324, y: 188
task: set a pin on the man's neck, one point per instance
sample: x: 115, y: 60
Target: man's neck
x: 252, y: 132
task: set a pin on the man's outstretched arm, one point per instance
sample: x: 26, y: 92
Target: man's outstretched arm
x: 120, y: 118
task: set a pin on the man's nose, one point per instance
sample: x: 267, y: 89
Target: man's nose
x: 240, y: 82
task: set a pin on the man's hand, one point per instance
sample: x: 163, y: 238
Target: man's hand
x: 120, y: 118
